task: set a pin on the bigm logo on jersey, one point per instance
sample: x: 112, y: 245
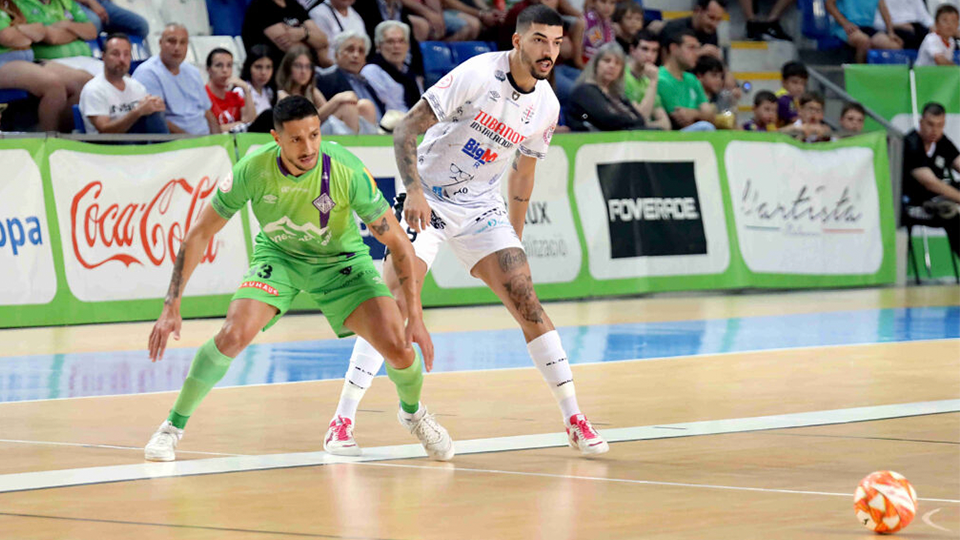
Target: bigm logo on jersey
x: 479, y: 153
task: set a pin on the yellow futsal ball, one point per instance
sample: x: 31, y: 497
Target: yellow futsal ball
x: 885, y: 502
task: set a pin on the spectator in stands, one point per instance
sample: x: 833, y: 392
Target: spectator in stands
x: 931, y: 193
x: 641, y: 77
x: 680, y: 92
x: 111, y: 18
x: 627, y: 21
x: 768, y: 28
x: 855, y: 19
x: 764, y: 112
x: 112, y: 102
x: 809, y: 126
x: 350, y: 50
x: 709, y: 71
x: 179, y: 84
x: 466, y: 20
x: 598, y: 101
x: 793, y: 78
x: 57, y: 86
x: 378, y: 11
x: 339, y: 115
x: 258, y: 72
x: 851, y: 118
x: 911, y: 21
x: 66, y: 34
x: 430, y: 11
x: 226, y: 92
x: 938, y: 47
x: 388, y: 75
x: 282, y: 25
x: 707, y: 15
x: 335, y: 16
x: 599, y: 28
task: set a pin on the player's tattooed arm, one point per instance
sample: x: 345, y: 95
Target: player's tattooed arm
x: 173, y: 292
x: 519, y: 188
x: 417, y: 121
x: 381, y: 227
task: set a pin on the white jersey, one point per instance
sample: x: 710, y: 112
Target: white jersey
x: 483, y: 120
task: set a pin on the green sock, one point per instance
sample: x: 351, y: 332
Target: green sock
x: 209, y: 366
x: 409, y: 381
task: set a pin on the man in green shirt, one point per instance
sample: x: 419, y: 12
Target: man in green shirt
x: 66, y: 25
x: 303, y: 194
x: 641, y: 77
x: 681, y: 93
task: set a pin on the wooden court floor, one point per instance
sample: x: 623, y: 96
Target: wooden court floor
x: 704, y: 446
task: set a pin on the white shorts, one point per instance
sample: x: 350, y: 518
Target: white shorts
x: 472, y: 232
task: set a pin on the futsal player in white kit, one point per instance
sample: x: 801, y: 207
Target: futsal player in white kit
x: 491, y: 116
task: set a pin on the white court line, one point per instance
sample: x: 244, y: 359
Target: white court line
x: 927, y: 519
x: 108, y: 446
x: 700, y: 356
x: 142, y: 471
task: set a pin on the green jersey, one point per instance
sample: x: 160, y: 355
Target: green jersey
x: 36, y: 11
x: 687, y: 92
x: 307, y: 217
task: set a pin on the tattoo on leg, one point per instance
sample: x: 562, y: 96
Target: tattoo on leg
x: 511, y: 259
x: 382, y: 227
x: 520, y: 288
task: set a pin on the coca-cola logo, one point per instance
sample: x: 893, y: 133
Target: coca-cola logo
x: 150, y: 230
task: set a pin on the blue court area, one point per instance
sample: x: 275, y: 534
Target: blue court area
x: 130, y: 372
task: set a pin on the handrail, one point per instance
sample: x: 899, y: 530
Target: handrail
x: 829, y: 85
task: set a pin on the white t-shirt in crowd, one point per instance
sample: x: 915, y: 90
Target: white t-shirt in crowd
x: 332, y: 22
x: 483, y: 120
x: 904, y: 11
x: 100, y: 98
x: 932, y: 46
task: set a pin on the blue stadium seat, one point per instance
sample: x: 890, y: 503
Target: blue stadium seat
x: 652, y: 15
x: 9, y: 94
x: 956, y: 56
x: 437, y: 61
x: 816, y: 24
x: 877, y: 56
x: 138, y: 52
x: 464, y: 50
x: 95, y: 47
x: 78, y: 124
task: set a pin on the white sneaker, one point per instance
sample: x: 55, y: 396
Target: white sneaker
x: 163, y: 443
x: 584, y: 438
x: 339, y: 439
x: 435, y: 440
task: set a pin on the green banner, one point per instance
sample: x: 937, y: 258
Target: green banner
x: 611, y: 214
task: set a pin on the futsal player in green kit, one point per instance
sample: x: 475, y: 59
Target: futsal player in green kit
x: 303, y: 193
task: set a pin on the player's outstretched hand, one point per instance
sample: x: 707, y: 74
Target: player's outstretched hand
x: 416, y: 211
x: 417, y: 333
x: 169, y: 322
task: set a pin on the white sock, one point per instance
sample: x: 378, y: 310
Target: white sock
x: 365, y: 362
x: 549, y: 357
x: 412, y: 416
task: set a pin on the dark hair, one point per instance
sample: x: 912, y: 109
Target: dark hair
x: 945, y: 8
x: 707, y: 64
x: 642, y: 35
x: 115, y: 35
x: 807, y: 97
x: 852, y: 106
x: 764, y: 96
x: 537, y: 14
x: 292, y: 108
x: 626, y: 7
x: 933, y: 109
x: 675, y: 38
x: 794, y: 69
x: 256, y: 53
x: 704, y: 4
x: 218, y: 50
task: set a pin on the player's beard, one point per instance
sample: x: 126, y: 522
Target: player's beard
x: 533, y: 66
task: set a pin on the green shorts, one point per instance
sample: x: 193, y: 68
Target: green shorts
x: 338, y: 288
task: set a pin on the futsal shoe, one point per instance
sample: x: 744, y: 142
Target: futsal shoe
x: 164, y: 442
x: 435, y: 440
x: 583, y: 437
x: 339, y: 440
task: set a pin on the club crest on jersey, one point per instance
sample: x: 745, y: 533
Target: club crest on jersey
x: 527, y: 115
x: 479, y: 153
x: 324, y: 203
x: 494, y: 96
x: 515, y: 96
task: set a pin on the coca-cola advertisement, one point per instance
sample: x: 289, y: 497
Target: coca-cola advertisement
x: 27, y: 274
x: 123, y: 217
